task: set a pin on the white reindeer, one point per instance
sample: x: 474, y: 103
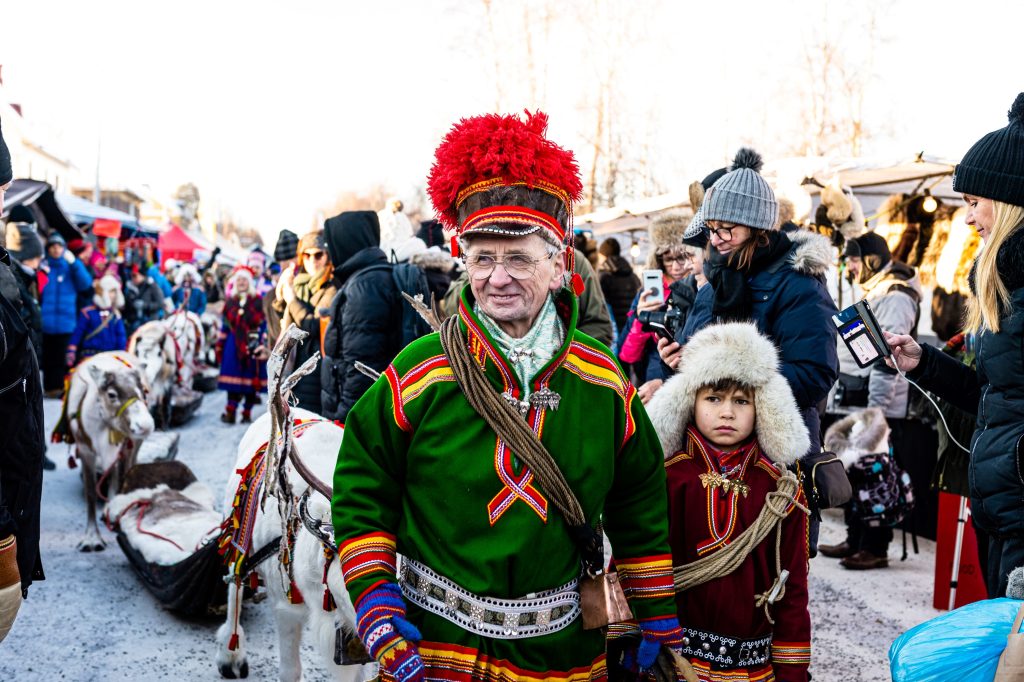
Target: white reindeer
x: 187, y: 329
x: 315, y: 442
x: 153, y: 343
x: 106, y: 417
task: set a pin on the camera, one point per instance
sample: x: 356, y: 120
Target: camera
x: 252, y: 342
x: 665, y: 322
x: 671, y: 318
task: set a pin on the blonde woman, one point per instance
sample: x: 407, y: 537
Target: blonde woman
x: 991, y: 179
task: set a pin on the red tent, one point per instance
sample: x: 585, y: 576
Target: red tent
x: 178, y: 244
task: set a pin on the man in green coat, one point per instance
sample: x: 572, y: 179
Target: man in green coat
x: 488, y: 587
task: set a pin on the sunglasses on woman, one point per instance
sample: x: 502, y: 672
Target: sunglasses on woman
x: 316, y: 255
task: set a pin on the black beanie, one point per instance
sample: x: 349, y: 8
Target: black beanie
x: 994, y: 167
x: 6, y: 173
x: 872, y: 250
x: 286, y: 247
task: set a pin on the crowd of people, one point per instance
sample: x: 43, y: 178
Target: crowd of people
x: 562, y: 398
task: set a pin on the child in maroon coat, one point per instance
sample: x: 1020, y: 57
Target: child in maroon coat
x: 729, y: 426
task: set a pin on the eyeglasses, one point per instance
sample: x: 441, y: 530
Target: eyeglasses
x: 723, y: 233
x: 517, y: 265
x: 675, y: 259
x: 316, y: 255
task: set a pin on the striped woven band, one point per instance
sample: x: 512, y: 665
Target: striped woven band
x: 485, y: 185
x: 483, y: 219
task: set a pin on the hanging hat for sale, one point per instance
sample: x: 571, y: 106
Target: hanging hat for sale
x: 23, y: 242
x: 287, y: 246
x: 499, y: 174
x: 994, y: 167
x: 6, y: 172
x: 741, y: 196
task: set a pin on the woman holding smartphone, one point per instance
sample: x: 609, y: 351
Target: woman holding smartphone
x: 991, y: 179
x: 638, y: 347
x: 776, y: 280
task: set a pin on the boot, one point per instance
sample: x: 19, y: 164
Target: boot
x: 247, y: 415
x: 864, y: 561
x: 48, y: 464
x: 229, y: 414
x: 840, y: 551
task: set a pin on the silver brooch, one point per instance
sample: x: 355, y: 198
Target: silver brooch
x: 545, y: 399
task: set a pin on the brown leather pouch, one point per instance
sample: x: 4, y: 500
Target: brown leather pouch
x: 602, y: 601
x: 1011, y: 661
x: 9, y: 574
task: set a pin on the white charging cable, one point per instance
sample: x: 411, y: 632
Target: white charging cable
x: 925, y: 394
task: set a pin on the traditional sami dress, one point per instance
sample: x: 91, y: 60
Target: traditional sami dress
x: 421, y: 474
x: 704, y: 517
x: 240, y: 372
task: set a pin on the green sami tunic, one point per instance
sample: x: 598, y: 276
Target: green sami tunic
x: 421, y: 473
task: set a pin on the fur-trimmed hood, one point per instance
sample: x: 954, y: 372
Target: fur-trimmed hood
x: 857, y: 434
x: 813, y: 254
x: 732, y: 351
x: 187, y: 270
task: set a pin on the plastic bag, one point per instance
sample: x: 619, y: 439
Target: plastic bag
x: 962, y: 645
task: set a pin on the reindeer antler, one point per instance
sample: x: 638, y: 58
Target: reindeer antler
x: 431, y: 313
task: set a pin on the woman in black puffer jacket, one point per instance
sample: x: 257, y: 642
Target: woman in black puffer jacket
x: 991, y: 178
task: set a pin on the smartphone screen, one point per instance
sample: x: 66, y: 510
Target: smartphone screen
x: 653, y: 280
x: 855, y: 334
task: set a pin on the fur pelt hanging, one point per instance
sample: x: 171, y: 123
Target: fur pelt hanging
x: 843, y: 210
x: 739, y: 352
x: 857, y: 434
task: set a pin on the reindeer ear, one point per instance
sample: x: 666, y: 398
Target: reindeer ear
x: 97, y: 374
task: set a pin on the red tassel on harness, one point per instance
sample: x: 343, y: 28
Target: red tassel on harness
x: 577, y: 284
x: 294, y: 596
x: 329, y: 604
x: 254, y: 581
x: 233, y: 642
x: 455, y: 247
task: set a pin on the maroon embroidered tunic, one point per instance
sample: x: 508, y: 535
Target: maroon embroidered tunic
x: 704, y: 519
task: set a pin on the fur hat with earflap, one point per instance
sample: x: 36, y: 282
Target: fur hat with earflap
x: 843, y: 210
x: 666, y: 234
x: 865, y: 432
x: 738, y: 352
x: 108, y: 293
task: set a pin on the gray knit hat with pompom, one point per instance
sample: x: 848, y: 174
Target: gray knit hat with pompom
x: 741, y: 196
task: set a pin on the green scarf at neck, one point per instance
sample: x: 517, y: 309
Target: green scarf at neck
x: 529, y: 354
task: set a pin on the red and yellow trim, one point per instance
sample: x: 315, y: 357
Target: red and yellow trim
x: 368, y: 554
x: 452, y: 662
x: 397, y: 407
x: 791, y: 653
x: 705, y: 673
x: 595, y: 367
x: 646, y: 577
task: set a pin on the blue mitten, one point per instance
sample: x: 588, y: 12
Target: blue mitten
x: 388, y: 636
x: 658, y: 632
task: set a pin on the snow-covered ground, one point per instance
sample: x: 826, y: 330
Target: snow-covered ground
x: 93, y: 620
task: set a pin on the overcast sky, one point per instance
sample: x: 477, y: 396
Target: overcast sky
x: 272, y: 109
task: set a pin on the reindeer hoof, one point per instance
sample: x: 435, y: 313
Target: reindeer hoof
x: 92, y: 545
x: 227, y: 670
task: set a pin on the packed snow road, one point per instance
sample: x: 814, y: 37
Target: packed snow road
x: 92, y: 619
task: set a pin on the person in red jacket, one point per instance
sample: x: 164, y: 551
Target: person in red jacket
x: 729, y: 426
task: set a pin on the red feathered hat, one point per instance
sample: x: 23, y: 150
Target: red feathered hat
x: 499, y: 174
